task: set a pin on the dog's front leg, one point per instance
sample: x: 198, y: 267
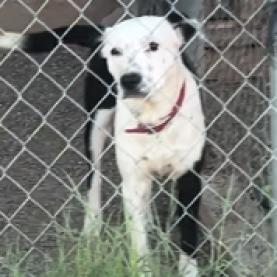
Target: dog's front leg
x: 101, y: 129
x: 136, y: 195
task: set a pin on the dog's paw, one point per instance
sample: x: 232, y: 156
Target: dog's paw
x: 92, y: 226
x: 187, y: 266
x: 146, y: 272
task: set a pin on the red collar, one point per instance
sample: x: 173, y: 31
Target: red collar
x: 144, y: 128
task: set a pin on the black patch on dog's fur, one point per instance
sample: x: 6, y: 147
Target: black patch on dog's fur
x: 189, y: 187
x: 179, y: 21
x: 84, y: 35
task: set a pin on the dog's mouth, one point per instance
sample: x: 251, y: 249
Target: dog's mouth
x: 135, y: 94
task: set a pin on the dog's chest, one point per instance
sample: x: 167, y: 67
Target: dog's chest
x: 168, y: 153
x: 160, y: 161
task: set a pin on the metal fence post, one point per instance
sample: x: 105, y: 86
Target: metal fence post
x: 273, y: 85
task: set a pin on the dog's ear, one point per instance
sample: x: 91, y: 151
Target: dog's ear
x: 183, y: 24
x: 103, y: 39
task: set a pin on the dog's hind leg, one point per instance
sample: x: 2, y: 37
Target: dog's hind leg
x: 101, y: 129
x: 189, y: 187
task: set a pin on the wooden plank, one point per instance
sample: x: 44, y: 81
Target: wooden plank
x: 14, y: 17
x: 222, y: 32
x: 243, y: 58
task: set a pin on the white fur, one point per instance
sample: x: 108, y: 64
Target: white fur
x: 175, y: 149
x: 102, y: 128
x: 132, y: 38
x: 187, y: 266
x: 10, y: 40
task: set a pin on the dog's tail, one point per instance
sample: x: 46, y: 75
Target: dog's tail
x: 83, y: 35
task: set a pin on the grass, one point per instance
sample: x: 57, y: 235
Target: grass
x: 110, y: 255
x: 79, y: 256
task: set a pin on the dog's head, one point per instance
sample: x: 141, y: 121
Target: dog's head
x: 142, y: 53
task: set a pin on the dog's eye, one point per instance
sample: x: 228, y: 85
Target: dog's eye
x: 116, y: 52
x: 153, y: 46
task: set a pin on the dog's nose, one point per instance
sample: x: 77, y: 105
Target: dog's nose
x: 130, y: 81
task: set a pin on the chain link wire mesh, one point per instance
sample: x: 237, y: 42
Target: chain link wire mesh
x: 43, y: 118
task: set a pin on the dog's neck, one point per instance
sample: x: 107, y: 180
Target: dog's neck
x: 143, y: 128
x: 152, y: 109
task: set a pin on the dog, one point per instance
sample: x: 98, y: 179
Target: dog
x: 152, y: 101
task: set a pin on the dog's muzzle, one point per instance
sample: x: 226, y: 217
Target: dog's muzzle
x: 131, y: 84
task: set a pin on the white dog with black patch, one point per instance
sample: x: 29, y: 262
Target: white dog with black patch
x: 159, y: 124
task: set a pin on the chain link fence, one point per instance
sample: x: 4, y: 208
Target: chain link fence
x: 43, y: 119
